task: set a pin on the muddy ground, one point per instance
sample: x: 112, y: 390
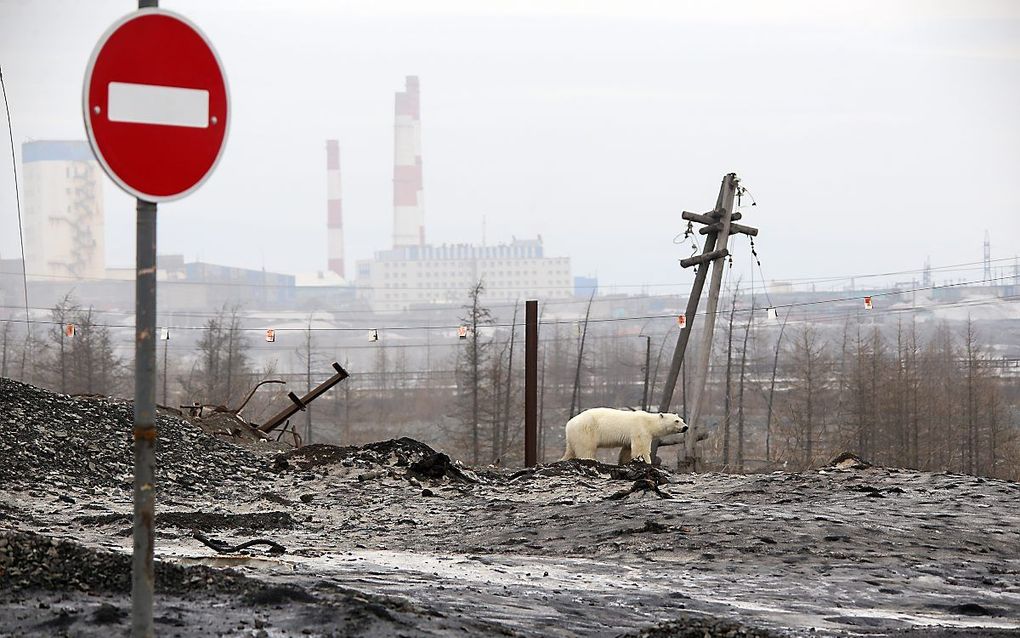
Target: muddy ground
x: 393, y: 539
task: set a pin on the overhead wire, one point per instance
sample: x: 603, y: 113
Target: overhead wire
x: 451, y: 327
x: 17, y: 194
x: 962, y: 267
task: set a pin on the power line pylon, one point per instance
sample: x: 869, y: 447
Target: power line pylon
x: 718, y: 226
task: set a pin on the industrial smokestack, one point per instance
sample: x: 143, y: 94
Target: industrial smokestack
x: 334, y: 209
x: 408, y: 195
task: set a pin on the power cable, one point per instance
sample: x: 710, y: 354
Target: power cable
x: 17, y: 200
x: 611, y: 320
x: 961, y: 267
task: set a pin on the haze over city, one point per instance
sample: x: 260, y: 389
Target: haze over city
x: 870, y: 133
x: 545, y: 318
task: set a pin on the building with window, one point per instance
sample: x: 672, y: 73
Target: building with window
x: 63, y: 211
x: 409, y: 276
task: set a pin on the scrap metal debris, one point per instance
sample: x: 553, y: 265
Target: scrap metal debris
x: 223, y: 547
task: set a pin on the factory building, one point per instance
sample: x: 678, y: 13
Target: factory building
x: 63, y: 211
x: 408, y: 276
x: 414, y: 273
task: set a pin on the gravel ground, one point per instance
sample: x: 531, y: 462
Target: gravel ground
x: 395, y: 538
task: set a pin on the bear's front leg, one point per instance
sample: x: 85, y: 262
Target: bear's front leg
x: 641, y: 447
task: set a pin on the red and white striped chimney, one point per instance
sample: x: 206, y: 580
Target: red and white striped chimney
x: 408, y: 194
x: 334, y: 209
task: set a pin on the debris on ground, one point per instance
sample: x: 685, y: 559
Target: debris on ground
x: 401, y: 452
x: 223, y: 547
x: 437, y: 466
x: 643, y: 485
x: 848, y: 461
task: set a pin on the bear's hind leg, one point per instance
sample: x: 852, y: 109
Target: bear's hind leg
x: 624, y: 455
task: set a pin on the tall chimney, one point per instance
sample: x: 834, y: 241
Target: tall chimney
x: 334, y: 209
x: 408, y: 195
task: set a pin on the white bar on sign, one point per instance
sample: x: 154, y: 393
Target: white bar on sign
x: 151, y: 104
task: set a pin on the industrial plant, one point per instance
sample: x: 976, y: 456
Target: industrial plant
x: 64, y: 244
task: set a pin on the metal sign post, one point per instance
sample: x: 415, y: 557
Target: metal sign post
x: 142, y: 576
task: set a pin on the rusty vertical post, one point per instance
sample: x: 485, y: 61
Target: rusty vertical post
x: 531, y: 383
x: 142, y: 579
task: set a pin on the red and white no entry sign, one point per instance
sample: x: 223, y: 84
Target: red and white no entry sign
x: 155, y: 104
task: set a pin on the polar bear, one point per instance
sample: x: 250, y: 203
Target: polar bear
x: 631, y: 430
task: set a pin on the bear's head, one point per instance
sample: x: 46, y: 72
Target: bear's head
x: 672, y: 423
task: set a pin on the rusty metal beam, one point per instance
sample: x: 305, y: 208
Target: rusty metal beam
x: 298, y: 404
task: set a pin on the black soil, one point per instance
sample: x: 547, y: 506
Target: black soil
x: 396, y: 538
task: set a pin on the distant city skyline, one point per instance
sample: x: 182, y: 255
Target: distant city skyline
x: 872, y: 135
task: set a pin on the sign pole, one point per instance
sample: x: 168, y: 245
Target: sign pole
x: 142, y: 572
x: 142, y: 578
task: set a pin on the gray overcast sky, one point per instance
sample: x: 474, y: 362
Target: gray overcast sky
x: 872, y: 134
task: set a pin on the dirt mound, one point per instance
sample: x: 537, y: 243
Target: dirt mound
x: 421, y: 461
x: 32, y: 561
x: 848, y: 461
x: 688, y: 626
x: 48, y: 438
x: 400, y: 452
x: 590, y: 468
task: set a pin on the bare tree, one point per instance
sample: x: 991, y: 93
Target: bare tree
x: 806, y: 400
x: 740, y: 392
x: 772, y: 391
x: 727, y: 402
x: 62, y: 315
x: 222, y: 360
x: 471, y: 361
x: 575, y: 398
x: 307, y: 355
x: 4, y: 340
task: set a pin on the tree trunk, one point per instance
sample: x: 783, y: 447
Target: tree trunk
x: 575, y: 399
x: 474, y: 376
x: 772, y: 391
x: 740, y: 393
x: 729, y: 378
x: 509, y: 384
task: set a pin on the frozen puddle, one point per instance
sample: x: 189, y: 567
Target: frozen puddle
x: 565, y: 596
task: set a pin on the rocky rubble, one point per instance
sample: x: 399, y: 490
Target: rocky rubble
x: 57, y: 440
x: 688, y: 626
x: 33, y: 561
x: 397, y: 538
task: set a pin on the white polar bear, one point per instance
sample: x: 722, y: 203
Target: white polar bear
x: 631, y: 430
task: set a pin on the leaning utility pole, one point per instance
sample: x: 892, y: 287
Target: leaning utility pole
x: 718, y: 226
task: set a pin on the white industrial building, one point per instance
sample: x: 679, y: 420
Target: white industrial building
x: 63, y: 211
x: 406, y: 276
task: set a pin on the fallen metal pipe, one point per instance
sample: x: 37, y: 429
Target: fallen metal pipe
x: 298, y: 404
